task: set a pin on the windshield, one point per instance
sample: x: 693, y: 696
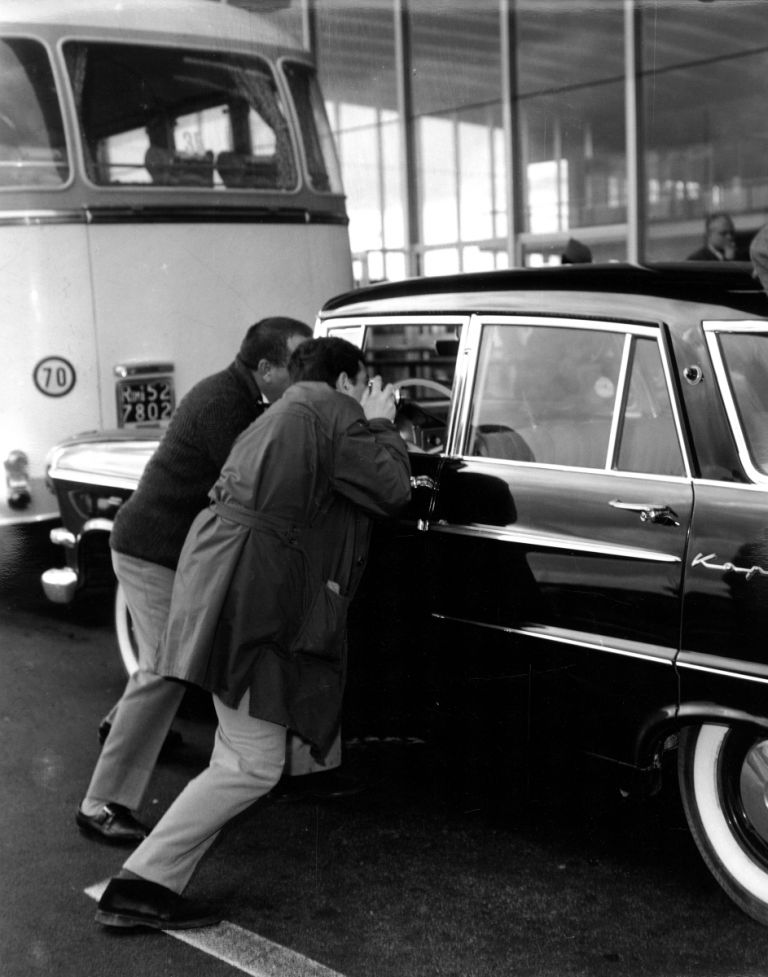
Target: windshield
x: 745, y: 355
x: 32, y: 148
x: 170, y: 117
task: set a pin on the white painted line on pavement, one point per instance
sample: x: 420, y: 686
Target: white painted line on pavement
x: 241, y: 948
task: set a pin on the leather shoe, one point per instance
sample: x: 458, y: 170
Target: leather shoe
x: 114, y: 824
x: 137, y: 902
x: 173, y: 741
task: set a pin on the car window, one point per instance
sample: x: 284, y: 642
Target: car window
x: 554, y: 395
x: 745, y: 355
x: 546, y: 394
x: 420, y: 359
x: 648, y: 439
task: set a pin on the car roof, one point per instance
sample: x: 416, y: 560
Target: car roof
x: 730, y: 285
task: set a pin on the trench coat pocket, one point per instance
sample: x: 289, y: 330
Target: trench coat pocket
x: 323, y: 623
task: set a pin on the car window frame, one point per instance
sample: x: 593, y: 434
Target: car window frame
x: 356, y: 330
x: 713, y: 328
x: 459, y: 429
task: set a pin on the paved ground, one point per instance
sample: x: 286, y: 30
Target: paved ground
x: 425, y: 874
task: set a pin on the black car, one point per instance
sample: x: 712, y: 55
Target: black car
x: 588, y: 534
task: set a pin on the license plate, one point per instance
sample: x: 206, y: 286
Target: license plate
x: 145, y: 401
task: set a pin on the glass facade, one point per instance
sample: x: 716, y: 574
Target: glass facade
x: 457, y: 129
x: 571, y: 127
x: 483, y: 134
x: 357, y: 43
x: 705, y: 135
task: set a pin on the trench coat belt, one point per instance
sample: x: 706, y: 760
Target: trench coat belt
x: 252, y: 519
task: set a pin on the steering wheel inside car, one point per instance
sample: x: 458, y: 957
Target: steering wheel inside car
x: 419, y: 382
x: 413, y: 419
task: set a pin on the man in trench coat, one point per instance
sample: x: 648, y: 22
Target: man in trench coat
x: 259, y: 606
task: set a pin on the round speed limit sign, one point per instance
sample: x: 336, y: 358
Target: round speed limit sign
x: 54, y: 376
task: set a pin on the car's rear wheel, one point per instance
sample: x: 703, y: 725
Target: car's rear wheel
x: 723, y: 775
x: 126, y: 639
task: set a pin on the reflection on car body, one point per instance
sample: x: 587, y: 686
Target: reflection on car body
x: 594, y: 525
x: 587, y: 540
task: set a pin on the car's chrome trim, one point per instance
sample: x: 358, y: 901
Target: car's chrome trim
x: 59, y: 536
x: 97, y: 525
x: 466, y: 370
x: 658, y: 654
x: 385, y: 318
x: 734, y: 325
x: 712, y: 664
x: 706, y: 560
x: 109, y: 463
x: 14, y: 517
x: 553, y: 541
x: 100, y: 479
x: 125, y: 371
x: 60, y: 584
x: 728, y: 672
x: 731, y: 486
x: 646, y: 476
x: 570, y: 322
x: 620, y: 399
x: 677, y: 413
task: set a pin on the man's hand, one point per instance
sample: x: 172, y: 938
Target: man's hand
x: 378, y: 400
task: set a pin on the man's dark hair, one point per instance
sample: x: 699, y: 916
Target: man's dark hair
x: 268, y: 338
x: 324, y: 360
x: 716, y: 215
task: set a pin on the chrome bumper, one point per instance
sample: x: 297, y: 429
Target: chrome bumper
x: 60, y: 583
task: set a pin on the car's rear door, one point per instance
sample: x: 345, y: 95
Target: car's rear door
x: 557, y: 536
x: 723, y: 650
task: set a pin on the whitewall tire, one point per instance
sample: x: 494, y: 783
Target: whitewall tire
x: 723, y: 775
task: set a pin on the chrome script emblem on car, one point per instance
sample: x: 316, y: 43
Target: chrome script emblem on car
x: 706, y: 561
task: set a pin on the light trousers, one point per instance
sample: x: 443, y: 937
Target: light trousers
x: 144, y: 713
x: 246, y: 762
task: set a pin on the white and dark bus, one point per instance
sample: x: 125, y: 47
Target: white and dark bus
x: 167, y: 177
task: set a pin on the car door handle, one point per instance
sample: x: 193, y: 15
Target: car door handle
x: 422, y: 481
x: 663, y: 515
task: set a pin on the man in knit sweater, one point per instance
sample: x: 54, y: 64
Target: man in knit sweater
x: 146, y: 540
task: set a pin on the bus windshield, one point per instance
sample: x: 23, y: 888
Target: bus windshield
x: 32, y: 148
x: 158, y: 116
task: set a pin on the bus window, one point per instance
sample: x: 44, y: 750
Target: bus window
x: 32, y: 148
x: 173, y: 117
x: 322, y: 163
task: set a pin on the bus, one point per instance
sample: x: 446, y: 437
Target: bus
x: 167, y: 177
